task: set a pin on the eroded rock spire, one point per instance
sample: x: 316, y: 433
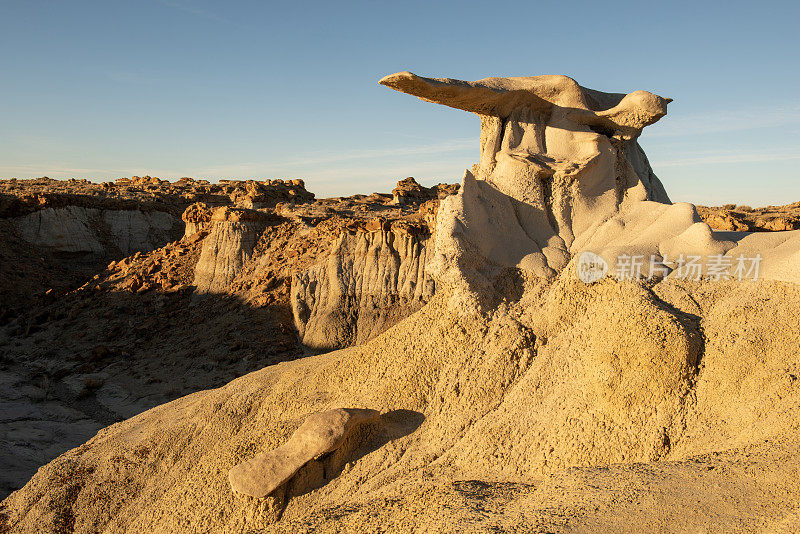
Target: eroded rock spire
x: 558, y: 157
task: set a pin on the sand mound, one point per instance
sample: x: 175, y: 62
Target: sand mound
x: 571, y: 375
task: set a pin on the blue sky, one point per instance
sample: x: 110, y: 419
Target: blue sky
x: 215, y: 90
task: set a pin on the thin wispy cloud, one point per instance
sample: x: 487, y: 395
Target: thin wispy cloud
x: 723, y: 158
x: 730, y: 120
x: 296, y: 163
x: 129, y: 77
x: 192, y: 9
x: 444, y: 169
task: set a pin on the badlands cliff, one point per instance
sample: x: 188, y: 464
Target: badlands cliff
x: 239, y: 290
x: 486, y: 386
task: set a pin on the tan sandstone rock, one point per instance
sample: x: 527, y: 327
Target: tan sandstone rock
x: 233, y: 234
x: 196, y: 216
x: 373, y: 277
x: 319, y: 434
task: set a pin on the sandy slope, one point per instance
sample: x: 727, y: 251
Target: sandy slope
x: 576, y: 407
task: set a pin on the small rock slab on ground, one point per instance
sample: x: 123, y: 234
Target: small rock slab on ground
x: 319, y: 434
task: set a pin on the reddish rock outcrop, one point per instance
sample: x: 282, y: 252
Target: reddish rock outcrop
x: 746, y: 219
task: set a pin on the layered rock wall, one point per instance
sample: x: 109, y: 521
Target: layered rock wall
x: 97, y: 233
x: 365, y: 275
x: 370, y: 280
x: 229, y: 246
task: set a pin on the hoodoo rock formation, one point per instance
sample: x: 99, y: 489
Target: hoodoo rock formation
x: 560, y: 173
x: 515, y: 397
x: 552, y: 165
